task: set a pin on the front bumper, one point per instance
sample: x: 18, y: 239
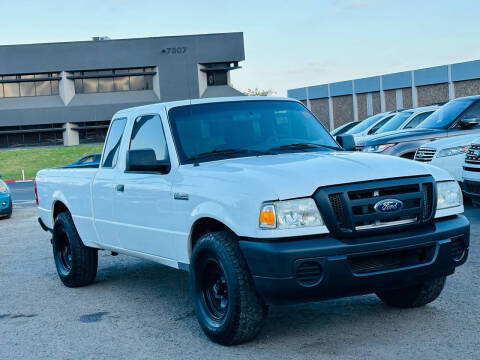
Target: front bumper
x: 5, y: 205
x: 471, y: 188
x: 315, y: 268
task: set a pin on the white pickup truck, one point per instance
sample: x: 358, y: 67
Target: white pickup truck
x: 262, y: 206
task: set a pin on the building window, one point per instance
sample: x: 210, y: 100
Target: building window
x: 31, y: 135
x: 92, y: 132
x: 113, y: 80
x: 218, y: 77
x: 29, y: 85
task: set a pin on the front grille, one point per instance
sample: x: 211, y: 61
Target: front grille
x: 337, y: 206
x: 309, y: 273
x: 473, y: 154
x: 471, y: 187
x: 391, y: 261
x: 350, y: 210
x: 469, y: 168
x: 457, y: 248
x: 424, y: 154
x: 359, y: 148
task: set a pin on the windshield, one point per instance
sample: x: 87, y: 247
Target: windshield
x: 446, y: 115
x: 395, y: 122
x: 365, y: 124
x: 207, y: 132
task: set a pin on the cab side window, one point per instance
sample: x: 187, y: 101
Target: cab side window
x: 148, y: 133
x: 417, y: 120
x: 112, y: 144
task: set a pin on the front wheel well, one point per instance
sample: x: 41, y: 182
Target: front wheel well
x: 203, y: 226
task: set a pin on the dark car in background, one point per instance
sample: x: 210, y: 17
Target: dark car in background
x: 90, y: 160
x: 344, y: 128
x: 371, y: 124
x: 458, y: 117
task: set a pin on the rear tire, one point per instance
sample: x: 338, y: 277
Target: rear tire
x: 76, y: 264
x: 227, y: 306
x: 414, y: 296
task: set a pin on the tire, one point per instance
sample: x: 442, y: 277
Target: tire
x: 226, y: 303
x: 414, y: 296
x: 76, y: 264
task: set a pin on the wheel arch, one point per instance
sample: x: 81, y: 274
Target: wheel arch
x: 203, y: 226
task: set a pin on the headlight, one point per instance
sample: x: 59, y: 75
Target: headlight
x: 457, y: 150
x: 377, y: 148
x: 290, y: 214
x: 3, y: 188
x: 448, y: 195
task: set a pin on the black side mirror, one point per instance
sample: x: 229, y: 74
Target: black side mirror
x: 145, y: 160
x: 470, y: 120
x: 346, y: 141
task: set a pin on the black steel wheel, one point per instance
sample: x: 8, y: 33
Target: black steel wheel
x: 227, y: 306
x: 76, y: 263
x: 64, y: 253
x: 214, y: 289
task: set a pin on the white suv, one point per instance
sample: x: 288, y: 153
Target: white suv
x: 447, y: 153
x: 471, y: 172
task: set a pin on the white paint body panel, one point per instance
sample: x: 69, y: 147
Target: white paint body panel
x: 146, y: 221
x: 452, y: 164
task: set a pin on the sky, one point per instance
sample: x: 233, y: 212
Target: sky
x: 288, y: 44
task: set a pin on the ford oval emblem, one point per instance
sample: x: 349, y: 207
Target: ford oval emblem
x: 388, y: 205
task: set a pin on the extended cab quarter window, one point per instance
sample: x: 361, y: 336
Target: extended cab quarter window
x: 148, y: 133
x: 112, y: 145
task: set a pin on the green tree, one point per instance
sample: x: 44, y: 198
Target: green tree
x: 259, y: 92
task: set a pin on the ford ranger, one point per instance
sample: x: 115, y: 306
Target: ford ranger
x: 261, y: 205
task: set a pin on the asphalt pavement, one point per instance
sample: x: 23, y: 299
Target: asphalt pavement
x: 138, y: 309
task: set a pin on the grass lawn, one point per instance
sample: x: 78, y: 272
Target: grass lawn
x: 31, y: 160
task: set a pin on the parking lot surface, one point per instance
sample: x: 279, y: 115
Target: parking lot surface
x: 141, y: 310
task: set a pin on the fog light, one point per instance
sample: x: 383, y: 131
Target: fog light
x: 4, y: 203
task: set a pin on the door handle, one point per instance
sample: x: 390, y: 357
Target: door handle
x: 120, y: 187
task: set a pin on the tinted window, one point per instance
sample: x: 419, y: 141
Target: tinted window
x: 148, y: 133
x: 365, y: 124
x: 378, y: 125
x: 473, y: 111
x: 447, y: 114
x: 255, y: 126
x: 417, y: 120
x: 112, y: 145
x: 395, y: 122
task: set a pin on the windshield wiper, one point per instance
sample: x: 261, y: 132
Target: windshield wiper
x: 303, y: 146
x: 229, y: 153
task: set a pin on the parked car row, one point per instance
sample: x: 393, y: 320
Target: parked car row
x: 447, y: 136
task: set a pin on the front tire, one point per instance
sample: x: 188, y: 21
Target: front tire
x: 227, y: 306
x: 414, y: 296
x: 76, y: 264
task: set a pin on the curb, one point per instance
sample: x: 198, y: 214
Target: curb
x: 18, y: 181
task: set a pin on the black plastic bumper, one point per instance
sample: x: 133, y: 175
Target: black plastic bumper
x: 6, y: 211
x: 356, y: 266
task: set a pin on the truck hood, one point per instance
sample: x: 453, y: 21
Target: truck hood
x: 287, y: 176
x: 400, y: 136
